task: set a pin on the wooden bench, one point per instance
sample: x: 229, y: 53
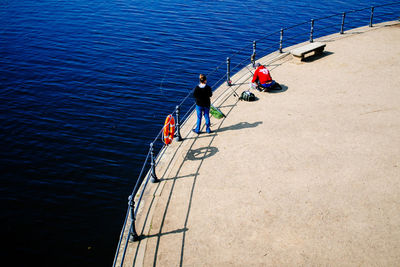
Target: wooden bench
x: 300, y: 52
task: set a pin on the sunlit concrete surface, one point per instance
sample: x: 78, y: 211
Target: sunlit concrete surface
x: 308, y: 176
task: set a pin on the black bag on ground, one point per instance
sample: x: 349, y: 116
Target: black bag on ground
x: 247, y: 96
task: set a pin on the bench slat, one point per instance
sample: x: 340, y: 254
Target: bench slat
x: 301, y: 51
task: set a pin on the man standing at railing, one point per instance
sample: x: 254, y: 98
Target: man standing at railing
x: 202, y: 94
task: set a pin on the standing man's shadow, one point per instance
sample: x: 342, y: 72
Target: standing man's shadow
x: 201, y: 153
x: 239, y: 126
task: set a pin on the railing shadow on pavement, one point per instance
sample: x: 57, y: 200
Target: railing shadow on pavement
x: 240, y: 126
x: 270, y: 42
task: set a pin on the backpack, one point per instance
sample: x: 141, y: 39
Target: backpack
x: 247, y: 96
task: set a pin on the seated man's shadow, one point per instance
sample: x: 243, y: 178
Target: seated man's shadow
x: 282, y: 89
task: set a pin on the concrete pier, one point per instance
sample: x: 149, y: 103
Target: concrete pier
x: 306, y: 176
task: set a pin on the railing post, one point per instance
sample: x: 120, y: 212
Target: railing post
x: 312, y: 31
x: 178, y: 125
x: 228, y: 71
x: 372, y: 16
x: 253, y: 56
x: 133, y: 236
x: 342, y: 27
x: 154, y: 178
x: 280, y: 41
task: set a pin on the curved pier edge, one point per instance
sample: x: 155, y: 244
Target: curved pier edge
x: 178, y: 152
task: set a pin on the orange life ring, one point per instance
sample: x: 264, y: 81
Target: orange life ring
x: 169, y: 130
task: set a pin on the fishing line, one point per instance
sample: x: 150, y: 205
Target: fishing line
x: 162, y: 81
x: 249, y: 70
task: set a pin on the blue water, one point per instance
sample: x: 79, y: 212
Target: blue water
x: 85, y: 87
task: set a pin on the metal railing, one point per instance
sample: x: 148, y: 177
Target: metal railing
x: 313, y: 29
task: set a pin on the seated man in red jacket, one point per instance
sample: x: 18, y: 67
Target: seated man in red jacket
x: 263, y: 78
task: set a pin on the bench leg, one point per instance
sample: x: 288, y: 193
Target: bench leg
x: 297, y: 59
x: 319, y: 51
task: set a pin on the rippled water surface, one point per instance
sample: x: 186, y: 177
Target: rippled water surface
x: 85, y: 86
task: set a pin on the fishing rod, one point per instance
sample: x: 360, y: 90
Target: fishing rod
x: 234, y: 93
x: 249, y: 70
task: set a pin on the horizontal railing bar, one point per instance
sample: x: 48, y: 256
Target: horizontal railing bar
x: 240, y: 63
x: 357, y: 10
x: 316, y: 29
x: 140, y: 175
x: 125, y: 248
x: 286, y: 39
x: 121, y: 235
x: 277, y: 32
x: 268, y: 38
x: 292, y: 42
x: 142, y: 193
x: 268, y: 47
x: 158, y: 135
x: 222, y: 63
x: 186, y: 97
x: 185, y: 117
x: 191, y: 91
x: 291, y: 38
x: 237, y: 52
x: 222, y: 78
x: 296, y: 25
x: 327, y: 17
x: 190, y: 110
x: 388, y: 4
x: 358, y: 21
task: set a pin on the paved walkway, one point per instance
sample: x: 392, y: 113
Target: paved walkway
x: 306, y: 176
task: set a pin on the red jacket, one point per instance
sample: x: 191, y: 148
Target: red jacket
x: 262, y: 74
